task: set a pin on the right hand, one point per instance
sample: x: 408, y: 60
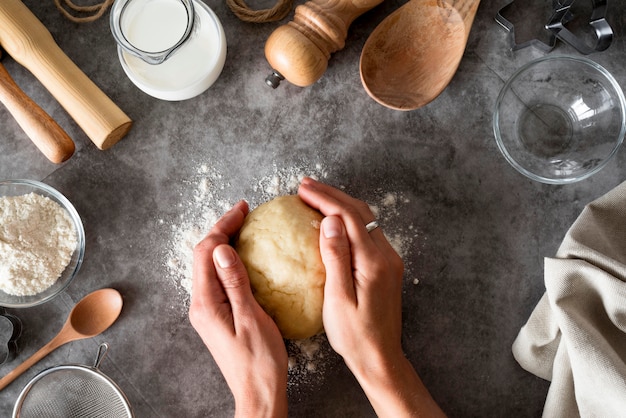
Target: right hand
x: 362, y: 310
x: 362, y: 297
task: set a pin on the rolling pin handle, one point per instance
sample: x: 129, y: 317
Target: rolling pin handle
x: 273, y: 80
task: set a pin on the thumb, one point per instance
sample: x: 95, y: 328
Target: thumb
x: 233, y: 276
x: 337, y: 259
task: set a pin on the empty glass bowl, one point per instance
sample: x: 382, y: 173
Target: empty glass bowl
x: 23, y: 187
x: 560, y: 119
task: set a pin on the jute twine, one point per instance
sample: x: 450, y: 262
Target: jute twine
x: 76, y: 13
x: 245, y: 13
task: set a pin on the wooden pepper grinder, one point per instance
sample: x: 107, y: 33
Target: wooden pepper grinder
x: 299, y: 51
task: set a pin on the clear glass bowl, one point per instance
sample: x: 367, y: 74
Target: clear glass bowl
x: 21, y: 187
x: 560, y: 119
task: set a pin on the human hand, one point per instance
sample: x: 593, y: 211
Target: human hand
x: 362, y: 311
x: 362, y: 297
x: 244, y: 341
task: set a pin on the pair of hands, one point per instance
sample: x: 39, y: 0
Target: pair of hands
x: 361, y: 312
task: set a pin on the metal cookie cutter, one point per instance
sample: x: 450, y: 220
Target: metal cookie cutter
x: 10, y: 331
x: 523, y: 23
x: 525, y: 20
x: 602, y: 29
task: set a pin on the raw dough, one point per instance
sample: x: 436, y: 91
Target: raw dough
x: 279, y: 245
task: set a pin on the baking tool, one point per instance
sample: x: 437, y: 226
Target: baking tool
x: 299, y: 51
x: 10, y: 331
x: 91, y: 316
x: 28, y: 41
x: 73, y: 391
x: 412, y: 55
x: 539, y: 23
x: 601, y: 28
x: 525, y: 22
x: 560, y: 119
x: 45, y: 133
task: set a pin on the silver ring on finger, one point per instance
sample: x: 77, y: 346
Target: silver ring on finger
x: 371, y: 226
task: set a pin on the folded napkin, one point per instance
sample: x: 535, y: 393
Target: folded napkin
x: 576, y: 335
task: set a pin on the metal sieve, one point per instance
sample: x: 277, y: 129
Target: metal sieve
x: 73, y: 391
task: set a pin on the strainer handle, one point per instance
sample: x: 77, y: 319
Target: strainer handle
x: 101, y: 354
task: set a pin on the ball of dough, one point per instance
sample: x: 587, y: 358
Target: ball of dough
x: 279, y: 245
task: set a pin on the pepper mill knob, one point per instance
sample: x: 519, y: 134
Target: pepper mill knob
x: 299, y: 51
x: 273, y: 80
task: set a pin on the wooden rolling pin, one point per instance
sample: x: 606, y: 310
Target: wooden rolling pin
x: 28, y: 41
x: 47, y: 135
x: 299, y: 51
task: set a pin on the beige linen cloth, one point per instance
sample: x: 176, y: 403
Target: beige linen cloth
x: 576, y: 335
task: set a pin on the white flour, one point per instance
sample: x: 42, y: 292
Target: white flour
x: 37, y: 240
x: 306, y: 358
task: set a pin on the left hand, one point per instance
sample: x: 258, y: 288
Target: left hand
x: 244, y: 341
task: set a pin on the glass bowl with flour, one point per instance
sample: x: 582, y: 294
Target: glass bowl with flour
x: 42, y: 243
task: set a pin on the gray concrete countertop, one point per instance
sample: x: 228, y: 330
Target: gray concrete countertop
x: 473, y: 232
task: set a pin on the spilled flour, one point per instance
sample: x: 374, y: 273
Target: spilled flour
x: 307, y: 358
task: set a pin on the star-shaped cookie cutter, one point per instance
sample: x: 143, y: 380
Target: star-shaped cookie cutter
x: 602, y: 29
x: 522, y: 21
x: 518, y: 19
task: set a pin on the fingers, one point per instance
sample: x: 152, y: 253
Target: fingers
x: 354, y: 213
x: 338, y: 196
x: 231, y: 222
x: 234, y: 279
x: 207, y: 291
x: 336, y: 256
x: 226, y: 227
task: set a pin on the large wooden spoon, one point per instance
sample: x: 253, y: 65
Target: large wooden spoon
x: 412, y: 55
x: 91, y: 316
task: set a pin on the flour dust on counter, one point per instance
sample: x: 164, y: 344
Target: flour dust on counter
x: 209, y: 203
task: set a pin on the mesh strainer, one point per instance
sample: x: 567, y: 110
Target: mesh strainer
x: 73, y: 391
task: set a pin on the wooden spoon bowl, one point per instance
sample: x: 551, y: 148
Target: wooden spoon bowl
x: 412, y: 55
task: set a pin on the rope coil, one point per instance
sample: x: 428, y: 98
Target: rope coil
x: 245, y: 13
x: 240, y: 8
x: 75, y: 11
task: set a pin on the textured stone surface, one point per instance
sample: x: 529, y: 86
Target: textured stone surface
x: 478, y: 230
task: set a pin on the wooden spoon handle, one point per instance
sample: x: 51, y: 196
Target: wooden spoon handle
x: 47, y: 135
x: 55, y: 343
x: 28, y: 41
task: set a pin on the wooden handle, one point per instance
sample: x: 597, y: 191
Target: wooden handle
x: 47, y: 135
x: 28, y: 41
x: 300, y: 50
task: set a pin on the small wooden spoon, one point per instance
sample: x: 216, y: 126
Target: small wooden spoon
x: 47, y: 135
x: 91, y: 316
x: 412, y: 55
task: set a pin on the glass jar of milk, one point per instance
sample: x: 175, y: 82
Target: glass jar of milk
x: 170, y: 49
